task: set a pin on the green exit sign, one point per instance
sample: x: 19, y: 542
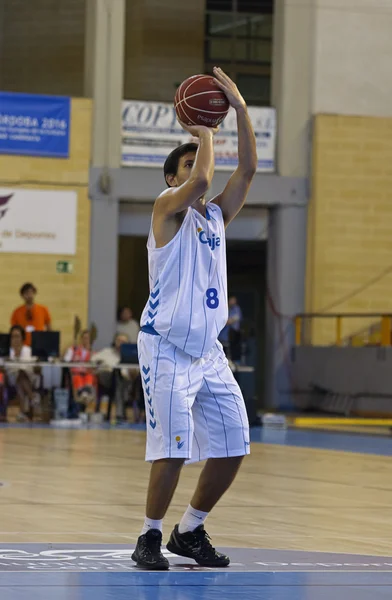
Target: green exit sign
x: 64, y: 266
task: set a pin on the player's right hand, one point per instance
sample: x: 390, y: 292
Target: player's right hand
x: 198, y: 130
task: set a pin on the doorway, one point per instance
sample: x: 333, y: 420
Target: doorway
x: 246, y: 269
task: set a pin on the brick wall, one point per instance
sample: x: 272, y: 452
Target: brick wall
x: 42, y: 46
x: 349, y: 236
x: 164, y: 46
x: 65, y: 295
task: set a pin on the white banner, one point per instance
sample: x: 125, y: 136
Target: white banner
x: 150, y: 132
x: 38, y: 221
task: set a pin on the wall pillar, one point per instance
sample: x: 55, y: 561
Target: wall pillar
x: 104, y: 66
x: 286, y: 265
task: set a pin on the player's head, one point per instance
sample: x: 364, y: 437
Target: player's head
x: 28, y: 292
x: 124, y: 314
x: 232, y: 301
x: 179, y: 163
x: 85, y: 338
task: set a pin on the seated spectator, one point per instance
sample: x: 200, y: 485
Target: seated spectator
x: 30, y: 316
x: 113, y: 381
x: 127, y: 325
x: 83, y: 381
x: 110, y: 357
x: 21, y: 377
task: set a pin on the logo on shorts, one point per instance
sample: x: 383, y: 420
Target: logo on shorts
x: 179, y: 442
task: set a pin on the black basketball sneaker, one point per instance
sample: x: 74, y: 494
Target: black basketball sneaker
x: 196, y: 544
x: 148, y: 553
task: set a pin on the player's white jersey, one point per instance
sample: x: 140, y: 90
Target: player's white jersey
x: 188, y: 283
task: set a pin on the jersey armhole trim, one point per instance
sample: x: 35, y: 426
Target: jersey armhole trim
x: 216, y: 206
x: 155, y: 249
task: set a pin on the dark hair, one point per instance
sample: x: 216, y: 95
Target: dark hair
x: 26, y: 287
x: 120, y: 309
x: 20, y: 329
x: 171, y: 163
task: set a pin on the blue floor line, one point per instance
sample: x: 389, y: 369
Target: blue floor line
x: 324, y: 440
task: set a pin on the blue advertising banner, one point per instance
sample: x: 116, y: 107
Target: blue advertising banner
x: 34, y: 125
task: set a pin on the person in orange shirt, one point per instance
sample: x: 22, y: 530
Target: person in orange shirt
x: 31, y: 316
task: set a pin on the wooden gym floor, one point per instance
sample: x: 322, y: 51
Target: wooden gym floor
x: 302, y: 492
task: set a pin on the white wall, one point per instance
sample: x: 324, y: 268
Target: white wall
x: 353, y: 57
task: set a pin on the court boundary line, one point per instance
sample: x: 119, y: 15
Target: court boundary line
x: 229, y: 547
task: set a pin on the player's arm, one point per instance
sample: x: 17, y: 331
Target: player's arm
x: 232, y: 199
x: 177, y: 199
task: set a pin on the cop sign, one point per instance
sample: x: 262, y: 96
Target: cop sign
x: 150, y: 131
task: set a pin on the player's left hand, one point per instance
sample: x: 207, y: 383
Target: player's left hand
x: 228, y: 86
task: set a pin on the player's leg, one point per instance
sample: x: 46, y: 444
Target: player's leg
x: 222, y: 429
x: 215, y: 479
x: 170, y: 379
x: 164, y: 476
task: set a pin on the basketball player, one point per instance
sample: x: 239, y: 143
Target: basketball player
x: 194, y: 407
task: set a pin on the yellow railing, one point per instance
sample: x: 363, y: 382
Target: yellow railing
x: 385, y: 327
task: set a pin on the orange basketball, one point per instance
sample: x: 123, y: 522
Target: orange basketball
x: 200, y: 101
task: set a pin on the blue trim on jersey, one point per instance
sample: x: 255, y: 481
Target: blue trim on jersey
x: 179, y: 284
x: 223, y: 422
x: 171, y: 400
x: 190, y: 313
x: 211, y: 218
x: 220, y: 295
x: 207, y: 214
x: 149, y: 329
x: 187, y: 396
x: 156, y: 366
x: 152, y: 421
x: 204, y: 307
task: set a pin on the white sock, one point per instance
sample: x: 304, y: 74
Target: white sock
x: 151, y: 524
x: 192, y: 518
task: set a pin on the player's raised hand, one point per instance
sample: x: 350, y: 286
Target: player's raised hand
x: 198, y: 130
x: 228, y: 86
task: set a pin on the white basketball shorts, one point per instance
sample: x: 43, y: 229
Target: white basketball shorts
x: 194, y: 406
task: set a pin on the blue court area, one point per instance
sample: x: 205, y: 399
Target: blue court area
x: 103, y: 572
x: 325, y: 440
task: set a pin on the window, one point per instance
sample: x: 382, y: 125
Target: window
x: 249, y: 6
x: 238, y: 37
x: 255, y: 88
